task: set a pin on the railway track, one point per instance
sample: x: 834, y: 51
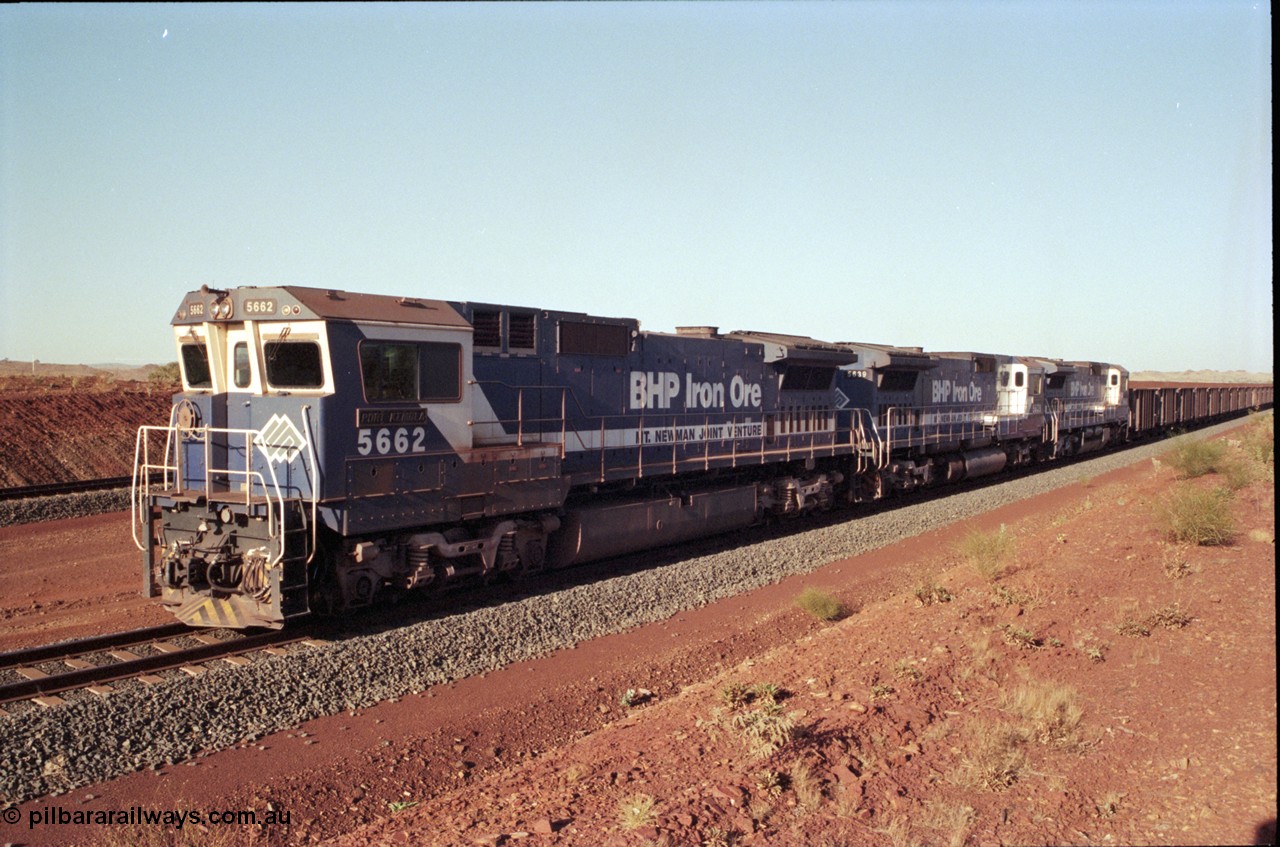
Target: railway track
x: 42, y: 674
x: 23, y: 492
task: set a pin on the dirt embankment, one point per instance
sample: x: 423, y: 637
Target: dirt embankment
x: 67, y: 429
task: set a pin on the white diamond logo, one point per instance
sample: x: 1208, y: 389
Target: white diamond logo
x: 842, y: 399
x: 280, y: 440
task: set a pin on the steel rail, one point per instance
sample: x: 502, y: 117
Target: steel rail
x: 93, y: 644
x: 27, y: 689
x: 21, y: 492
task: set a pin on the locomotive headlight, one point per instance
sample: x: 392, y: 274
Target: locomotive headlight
x: 224, y: 514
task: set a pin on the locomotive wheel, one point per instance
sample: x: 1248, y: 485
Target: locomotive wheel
x: 533, y: 560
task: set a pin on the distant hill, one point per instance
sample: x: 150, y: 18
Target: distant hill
x: 9, y: 367
x: 1201, y: 376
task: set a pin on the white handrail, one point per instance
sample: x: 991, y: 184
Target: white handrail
x: 273, y: 495
x: 315, y: 483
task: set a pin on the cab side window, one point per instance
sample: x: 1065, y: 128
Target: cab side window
x: 195, y: 365
x: 294, y: 364
x: 390, y: 371
x: 402, y: 372
x: 440, y: 372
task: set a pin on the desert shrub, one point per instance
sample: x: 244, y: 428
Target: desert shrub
x: 1007, y: 596
x: 771, y: 782
x: 1096, y: 651
x: 907, y: 671
x: 1133, y: 627
x: 769, y: 692
x: 822, y: 604
x: 765, y: 729
x: 1197, y: 458
x: 1190, y: 515
x: 1021, y: 638
x: 1259, y: 442
x: 1172, y: 616
x: 1175, y: 562
x: 165, y: 374
x: 1239, y: 473
x: 989, y: 553
x: 735, y: 695
x: 636, y: 811
x: 929, y: 592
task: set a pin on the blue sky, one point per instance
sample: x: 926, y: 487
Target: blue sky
x: 1076, y: 179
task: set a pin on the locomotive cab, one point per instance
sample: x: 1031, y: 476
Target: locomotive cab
x: 1012, y: 390
x: 230, y: 503
x: 1117, y: 386
x: 228, y: 529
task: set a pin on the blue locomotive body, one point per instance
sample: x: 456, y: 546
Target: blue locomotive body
x: 329, y: 448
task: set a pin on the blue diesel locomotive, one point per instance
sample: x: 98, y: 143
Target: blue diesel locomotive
x: 329, y: 448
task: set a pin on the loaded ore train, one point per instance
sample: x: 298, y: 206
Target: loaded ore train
x: 331, y: 448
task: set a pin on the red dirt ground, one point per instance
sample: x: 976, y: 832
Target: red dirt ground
x: 897, y: 709
x: 71, y: 579
x: 59, y: 429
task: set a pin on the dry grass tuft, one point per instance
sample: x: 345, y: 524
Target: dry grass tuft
x: 953, y: 822
x: 806, y: 785
x: 1259, y: 441
x: 1051, y: 711
x: 188, y: 836
x: 989, y: 553
x: 899, y: 831
x: 1197, y: 458
x: 823, y: 605
x: 1133, y: 626
x: 1191, y: 515
x: 996, y: 759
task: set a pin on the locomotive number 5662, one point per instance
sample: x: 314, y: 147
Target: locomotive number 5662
x: 384, y: 441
